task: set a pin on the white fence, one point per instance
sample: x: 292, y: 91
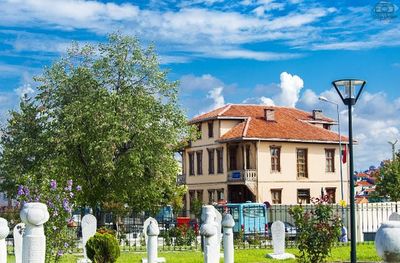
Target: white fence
x: 368, y: 216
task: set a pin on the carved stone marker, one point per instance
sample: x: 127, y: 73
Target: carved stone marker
x: 146, y: 224
x: 34, y: 215
x: 89, y: 227
x: 278, y: 241
x: 394, y: 217
x: 151, y: 231
x: 228, y: 223
x: 4, y: 231
x: 18, y: 232
x: 218, y: 221
x: 209, y: 229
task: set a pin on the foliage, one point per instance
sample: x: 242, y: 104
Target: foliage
x: 239, y: 238
x: 105, y: 230
x: 388, y: 180
x: 103, y: 248
x: 107, y: 117
x: 183, y: 236
x: 195, y: 207
x: 60, y: 201
x: 319, y: 229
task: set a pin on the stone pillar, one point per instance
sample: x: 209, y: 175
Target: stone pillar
x: 152, y: 242
x: 34, y: 215
x: 228, y: 223
x: 209, y: 229
x: 4, y: 231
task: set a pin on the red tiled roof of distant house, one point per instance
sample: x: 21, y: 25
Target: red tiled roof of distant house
x: 363, y: 183
x: 362, y: 175
x: 290, y: 124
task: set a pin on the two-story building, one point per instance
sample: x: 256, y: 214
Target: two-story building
x: 259, y: 153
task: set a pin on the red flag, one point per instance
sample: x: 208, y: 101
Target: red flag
x: 344, y: 154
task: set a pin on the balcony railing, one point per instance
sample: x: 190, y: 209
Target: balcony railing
x: 242, y: 175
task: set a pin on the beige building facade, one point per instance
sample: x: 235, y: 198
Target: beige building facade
x: 263, y: 154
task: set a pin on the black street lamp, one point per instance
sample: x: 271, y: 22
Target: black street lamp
x: 349, y: 91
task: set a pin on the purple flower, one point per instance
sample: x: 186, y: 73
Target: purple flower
x: 53, y: 184
x: 20, y: 190
x: 60, y: 253
x: 26, y: 190
x: 66, y: 245
x: 71, y: 194
x: 78, y: 188
x: 37, y: 198
x: 66, y: 206
x: 50, y: 204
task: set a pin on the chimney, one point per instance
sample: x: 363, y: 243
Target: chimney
x: 269, y: 114
x: 317, y: 114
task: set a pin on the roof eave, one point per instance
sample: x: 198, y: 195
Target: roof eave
x: 280, y: 140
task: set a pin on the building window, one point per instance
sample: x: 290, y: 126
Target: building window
x: 220, y: 160
x: 232, y: 158
x: 276, y: 196
x: 191, y: 163
x: 220, y: 194
x: 199, y: 130
x: 303, y: 196
x: 199, y: 195
x: 199, y: 156
x: 210, y: 129
x: 211, y: 196
x: 192, y: 195
x: 330, y: 160
x: 275, y: 159
x: 331, y: 193
x: 248, y: 166
x: 210, y: 161
x: 302, y: 163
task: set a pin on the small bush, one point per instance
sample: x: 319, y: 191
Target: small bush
x: 319, y: 230
x: 103, y: 248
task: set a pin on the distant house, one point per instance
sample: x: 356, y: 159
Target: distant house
x: 365, y: 185
x: 259, y: 153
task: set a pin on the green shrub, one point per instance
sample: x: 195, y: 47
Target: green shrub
x: 319, y: 229
x: 103, y: 248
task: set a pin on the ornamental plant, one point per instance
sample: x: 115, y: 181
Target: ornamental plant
x: 319, y: 229
x: 60, y: 201
x: 103, y: 248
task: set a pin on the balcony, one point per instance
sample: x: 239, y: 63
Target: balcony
x: 248, y: 175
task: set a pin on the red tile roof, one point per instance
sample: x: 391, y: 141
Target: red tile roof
x: 363, y: 183
x: 290, y: 124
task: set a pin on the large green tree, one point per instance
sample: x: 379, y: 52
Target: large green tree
x: 110, y: 120
x: 388, y: 180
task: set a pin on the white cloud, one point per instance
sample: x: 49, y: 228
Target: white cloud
x: 24, y: 90
x: 217, y: 97
x: 290, y: 89
x: 186, y: 29
x: 375, y: 121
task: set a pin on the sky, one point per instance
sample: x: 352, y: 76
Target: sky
x: 283, y: 53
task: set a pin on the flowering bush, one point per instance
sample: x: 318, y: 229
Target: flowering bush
x: 319, y: 229
x: 60, y: 201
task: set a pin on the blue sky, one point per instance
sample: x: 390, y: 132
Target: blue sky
x: 254, y: 51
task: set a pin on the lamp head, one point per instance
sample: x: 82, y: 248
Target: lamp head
x: 349, y: 90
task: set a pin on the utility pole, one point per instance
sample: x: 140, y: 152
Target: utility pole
x: 393, y: 148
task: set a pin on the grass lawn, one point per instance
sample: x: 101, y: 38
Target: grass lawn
x: 365, y: 253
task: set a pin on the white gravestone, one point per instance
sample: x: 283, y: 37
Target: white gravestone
x: 89, y: 227
x: 151, y: 232
x: 17, y: 233
x: 218, y: 221
x: 4, y: 231
x: 146, y: 224
x: 34, y: 215
x: 394, y: 217
x: 278, y: 241
x: 228, y: 223
x: 209, y: 229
